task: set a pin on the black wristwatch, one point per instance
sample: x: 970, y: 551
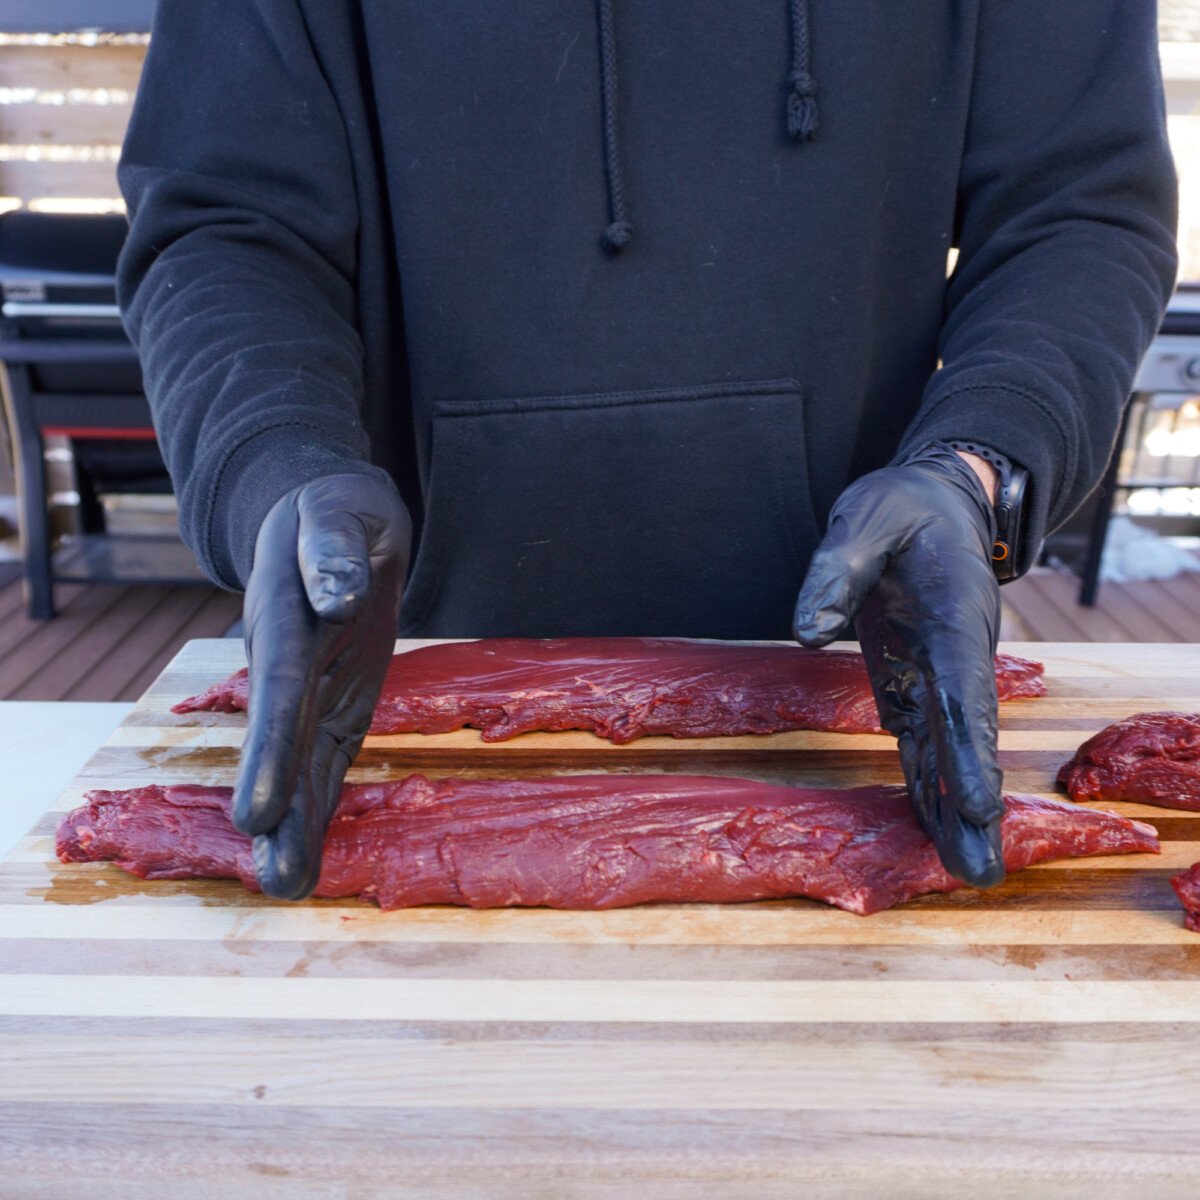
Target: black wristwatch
x: 1010, y: 500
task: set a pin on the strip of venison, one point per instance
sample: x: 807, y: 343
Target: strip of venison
x: 1149, y: 758
x: 1187, y: 888
x: 588, y: 841
x: 624, y: 688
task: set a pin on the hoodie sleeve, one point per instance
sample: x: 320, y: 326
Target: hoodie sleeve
x: 237, y: 280
x: 1066, y: 237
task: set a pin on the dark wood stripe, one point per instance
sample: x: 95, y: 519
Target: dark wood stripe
x: 1133, y: 1033
x: 467, y: 1145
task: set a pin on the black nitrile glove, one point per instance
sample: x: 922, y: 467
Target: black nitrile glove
x: 908, y: 558
x: 322, y: 606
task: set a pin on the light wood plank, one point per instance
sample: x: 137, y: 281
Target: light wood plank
x: 366, y: 960
x: 546, y: 1154
x: 649, y: 1074
x: 58, y: 180
x: 659, y: 1001
x: 62, y: 124
x: 60, y: 68
x: 781, y: 923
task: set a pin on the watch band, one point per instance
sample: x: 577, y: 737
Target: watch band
x: 1010, y: 499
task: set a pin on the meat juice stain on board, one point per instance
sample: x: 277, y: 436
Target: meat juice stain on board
x: 71, y: 887
x: 191, y: 758
x: 113, y: 885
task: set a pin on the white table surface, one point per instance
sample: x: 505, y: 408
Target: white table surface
x: 42, y: 746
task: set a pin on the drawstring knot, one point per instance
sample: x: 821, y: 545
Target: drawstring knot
x: 802, y: 105
x: 802, y: 99
x: 617, y: 235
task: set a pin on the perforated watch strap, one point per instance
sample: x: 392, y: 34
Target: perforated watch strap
x: 1003, y: 465
x: 1007, y: 507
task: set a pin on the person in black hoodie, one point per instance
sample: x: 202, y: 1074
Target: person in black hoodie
x: 602, y: 313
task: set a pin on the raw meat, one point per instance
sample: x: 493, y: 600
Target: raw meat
x: 624, y: 688
x: 1187, y: 888
x: 1150, y: 758
x: 588, y: 841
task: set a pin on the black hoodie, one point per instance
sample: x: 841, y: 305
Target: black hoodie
x: 622, y: 295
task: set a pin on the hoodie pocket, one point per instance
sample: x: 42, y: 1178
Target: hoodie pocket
x: 680, y: 511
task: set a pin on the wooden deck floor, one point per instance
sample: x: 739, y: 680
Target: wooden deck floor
x: 108, y: 642
x: 1042, y: 607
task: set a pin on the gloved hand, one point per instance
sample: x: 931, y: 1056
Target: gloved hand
x: 908, y: 558
x: 322, y: 607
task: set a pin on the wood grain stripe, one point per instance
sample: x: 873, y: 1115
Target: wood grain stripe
x: 867, y: 1001
x: 516, y: 960
x: 1130, y: 1032
x: 782, y: 923
x: 552, y: 1154
x: 648, y: 1180
x: 778, y: 1076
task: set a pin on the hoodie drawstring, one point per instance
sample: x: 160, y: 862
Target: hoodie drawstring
x: 619, y: 230
x: 801, y: 109
x: 802, y: 99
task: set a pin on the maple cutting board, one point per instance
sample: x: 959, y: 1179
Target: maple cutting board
x: 192, y: 1039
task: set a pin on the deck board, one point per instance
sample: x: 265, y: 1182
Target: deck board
x: 1043, y: 606
x: 108, y: 640
x: 91, y: 646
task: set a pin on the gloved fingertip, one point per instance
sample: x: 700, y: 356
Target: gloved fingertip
x: 250, y: 816
x: 820, y: 616
x: 980, y: 855
x: 283, y: 870
x: 244, y: 812
x: 819, y: 629
x: 260, y: 798
x: 241, y: 816
x: 989, y: 875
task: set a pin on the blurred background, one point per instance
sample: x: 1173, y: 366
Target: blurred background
x: 96, y: 590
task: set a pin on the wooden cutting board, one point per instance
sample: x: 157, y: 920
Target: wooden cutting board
x: 192, y: 1040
